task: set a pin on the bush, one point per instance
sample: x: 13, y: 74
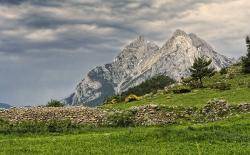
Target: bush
x: 191, y: 82
x: 54, y: 103
x: 223, y: 71
x: 131, y: 98
x: 248, y: 85
x: 113, y: 99
x: 121, y: 119
x: 221, y: 86
x: 37, y: 126
x: 181, y: 89
x: 230, y: 75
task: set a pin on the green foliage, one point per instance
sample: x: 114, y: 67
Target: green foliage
x: 37, y: 126
x: 113, y: 99
x: 221, y: 86
x: 223, y: 71
x: 199, y: 97
x: 229, y: 136
x: 131, y: 98
x: 201, y: 69
x: 54, y: 103
x: 151, y: 85
x: 121, y: 119
x: 179, y: 89
x: 246, y: 59
x: 155, y: 83
x: 191, y: 82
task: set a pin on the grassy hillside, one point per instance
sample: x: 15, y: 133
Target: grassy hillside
x: 239, y: 92
x: 231, y: 136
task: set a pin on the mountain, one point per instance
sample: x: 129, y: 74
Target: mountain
x: 141, y: 60
x: 4, y: 106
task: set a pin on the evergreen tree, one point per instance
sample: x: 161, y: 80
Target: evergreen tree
x: 54, y: 103
x: 246, y: 59
x: 201, y: 69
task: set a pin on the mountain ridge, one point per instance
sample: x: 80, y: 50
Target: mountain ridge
x: 140, y: 60
x: 4, y: 106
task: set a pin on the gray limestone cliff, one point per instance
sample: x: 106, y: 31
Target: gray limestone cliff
x: 141, y: 60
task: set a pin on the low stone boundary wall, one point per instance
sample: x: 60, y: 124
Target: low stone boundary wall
x: 142, y: 115
x: 78, y: 115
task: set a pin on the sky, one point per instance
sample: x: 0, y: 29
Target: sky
x: 47, y: 46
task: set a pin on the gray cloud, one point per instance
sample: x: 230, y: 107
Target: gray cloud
x: 47, y: 46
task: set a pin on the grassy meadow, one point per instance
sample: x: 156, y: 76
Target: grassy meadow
x: 230, y: 136
x: 239, y: 93
x: 227, y: 136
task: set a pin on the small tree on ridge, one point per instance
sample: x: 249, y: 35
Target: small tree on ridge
x: 246, y: 59
x: 201, y: 69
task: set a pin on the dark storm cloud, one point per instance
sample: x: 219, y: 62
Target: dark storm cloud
x: 46, y: 46
x: 48, y: 3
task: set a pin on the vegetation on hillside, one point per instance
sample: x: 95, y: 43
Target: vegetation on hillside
x: 218, y: 86
x: 230, y: 136
x: 54, y: 103
x: 153, y: 84
x: 201, y: 69
x: 246, y: 59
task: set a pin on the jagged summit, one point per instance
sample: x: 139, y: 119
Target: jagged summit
x: 140, y: 60
x: 179, y: 32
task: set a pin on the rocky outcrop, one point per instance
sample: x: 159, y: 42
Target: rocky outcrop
x: 141, y: 60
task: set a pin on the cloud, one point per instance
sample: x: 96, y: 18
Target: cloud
x: 47, y: 46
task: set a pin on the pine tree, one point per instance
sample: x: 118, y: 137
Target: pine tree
x: 201, y: 69
x: 246, y: 59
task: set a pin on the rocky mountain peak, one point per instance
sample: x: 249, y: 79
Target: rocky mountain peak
x: 179, y: 32
x: 138, y: 42
x: 141, y: 60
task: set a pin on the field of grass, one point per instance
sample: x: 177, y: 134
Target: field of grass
x: 239, y: 93
x: 231, y: 136
x: 228, y: 136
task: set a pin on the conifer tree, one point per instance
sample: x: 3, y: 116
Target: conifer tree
x: 201, y: 69
x: 246, y: 59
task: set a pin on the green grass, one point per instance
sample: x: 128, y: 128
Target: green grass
x: 231, y: 136
x: 239, y: 93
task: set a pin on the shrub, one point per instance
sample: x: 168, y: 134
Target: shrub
x: 191, y: 82
x: 223, y: 71
x: 121, y: 119
x: 221, y: 86
x: 131, y: 98
x: 230, y: 75
x: 55, y: 103
x: 248, y: 85
x: 37, y: 126
x: 181, y: 89
x: 113, y: 99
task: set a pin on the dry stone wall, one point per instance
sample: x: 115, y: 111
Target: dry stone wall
x: 142, y: 115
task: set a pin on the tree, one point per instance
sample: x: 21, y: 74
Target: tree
x: 54, y: 103
x: 201, y: 69
x: 153, y: 84
x: 246, y: 59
